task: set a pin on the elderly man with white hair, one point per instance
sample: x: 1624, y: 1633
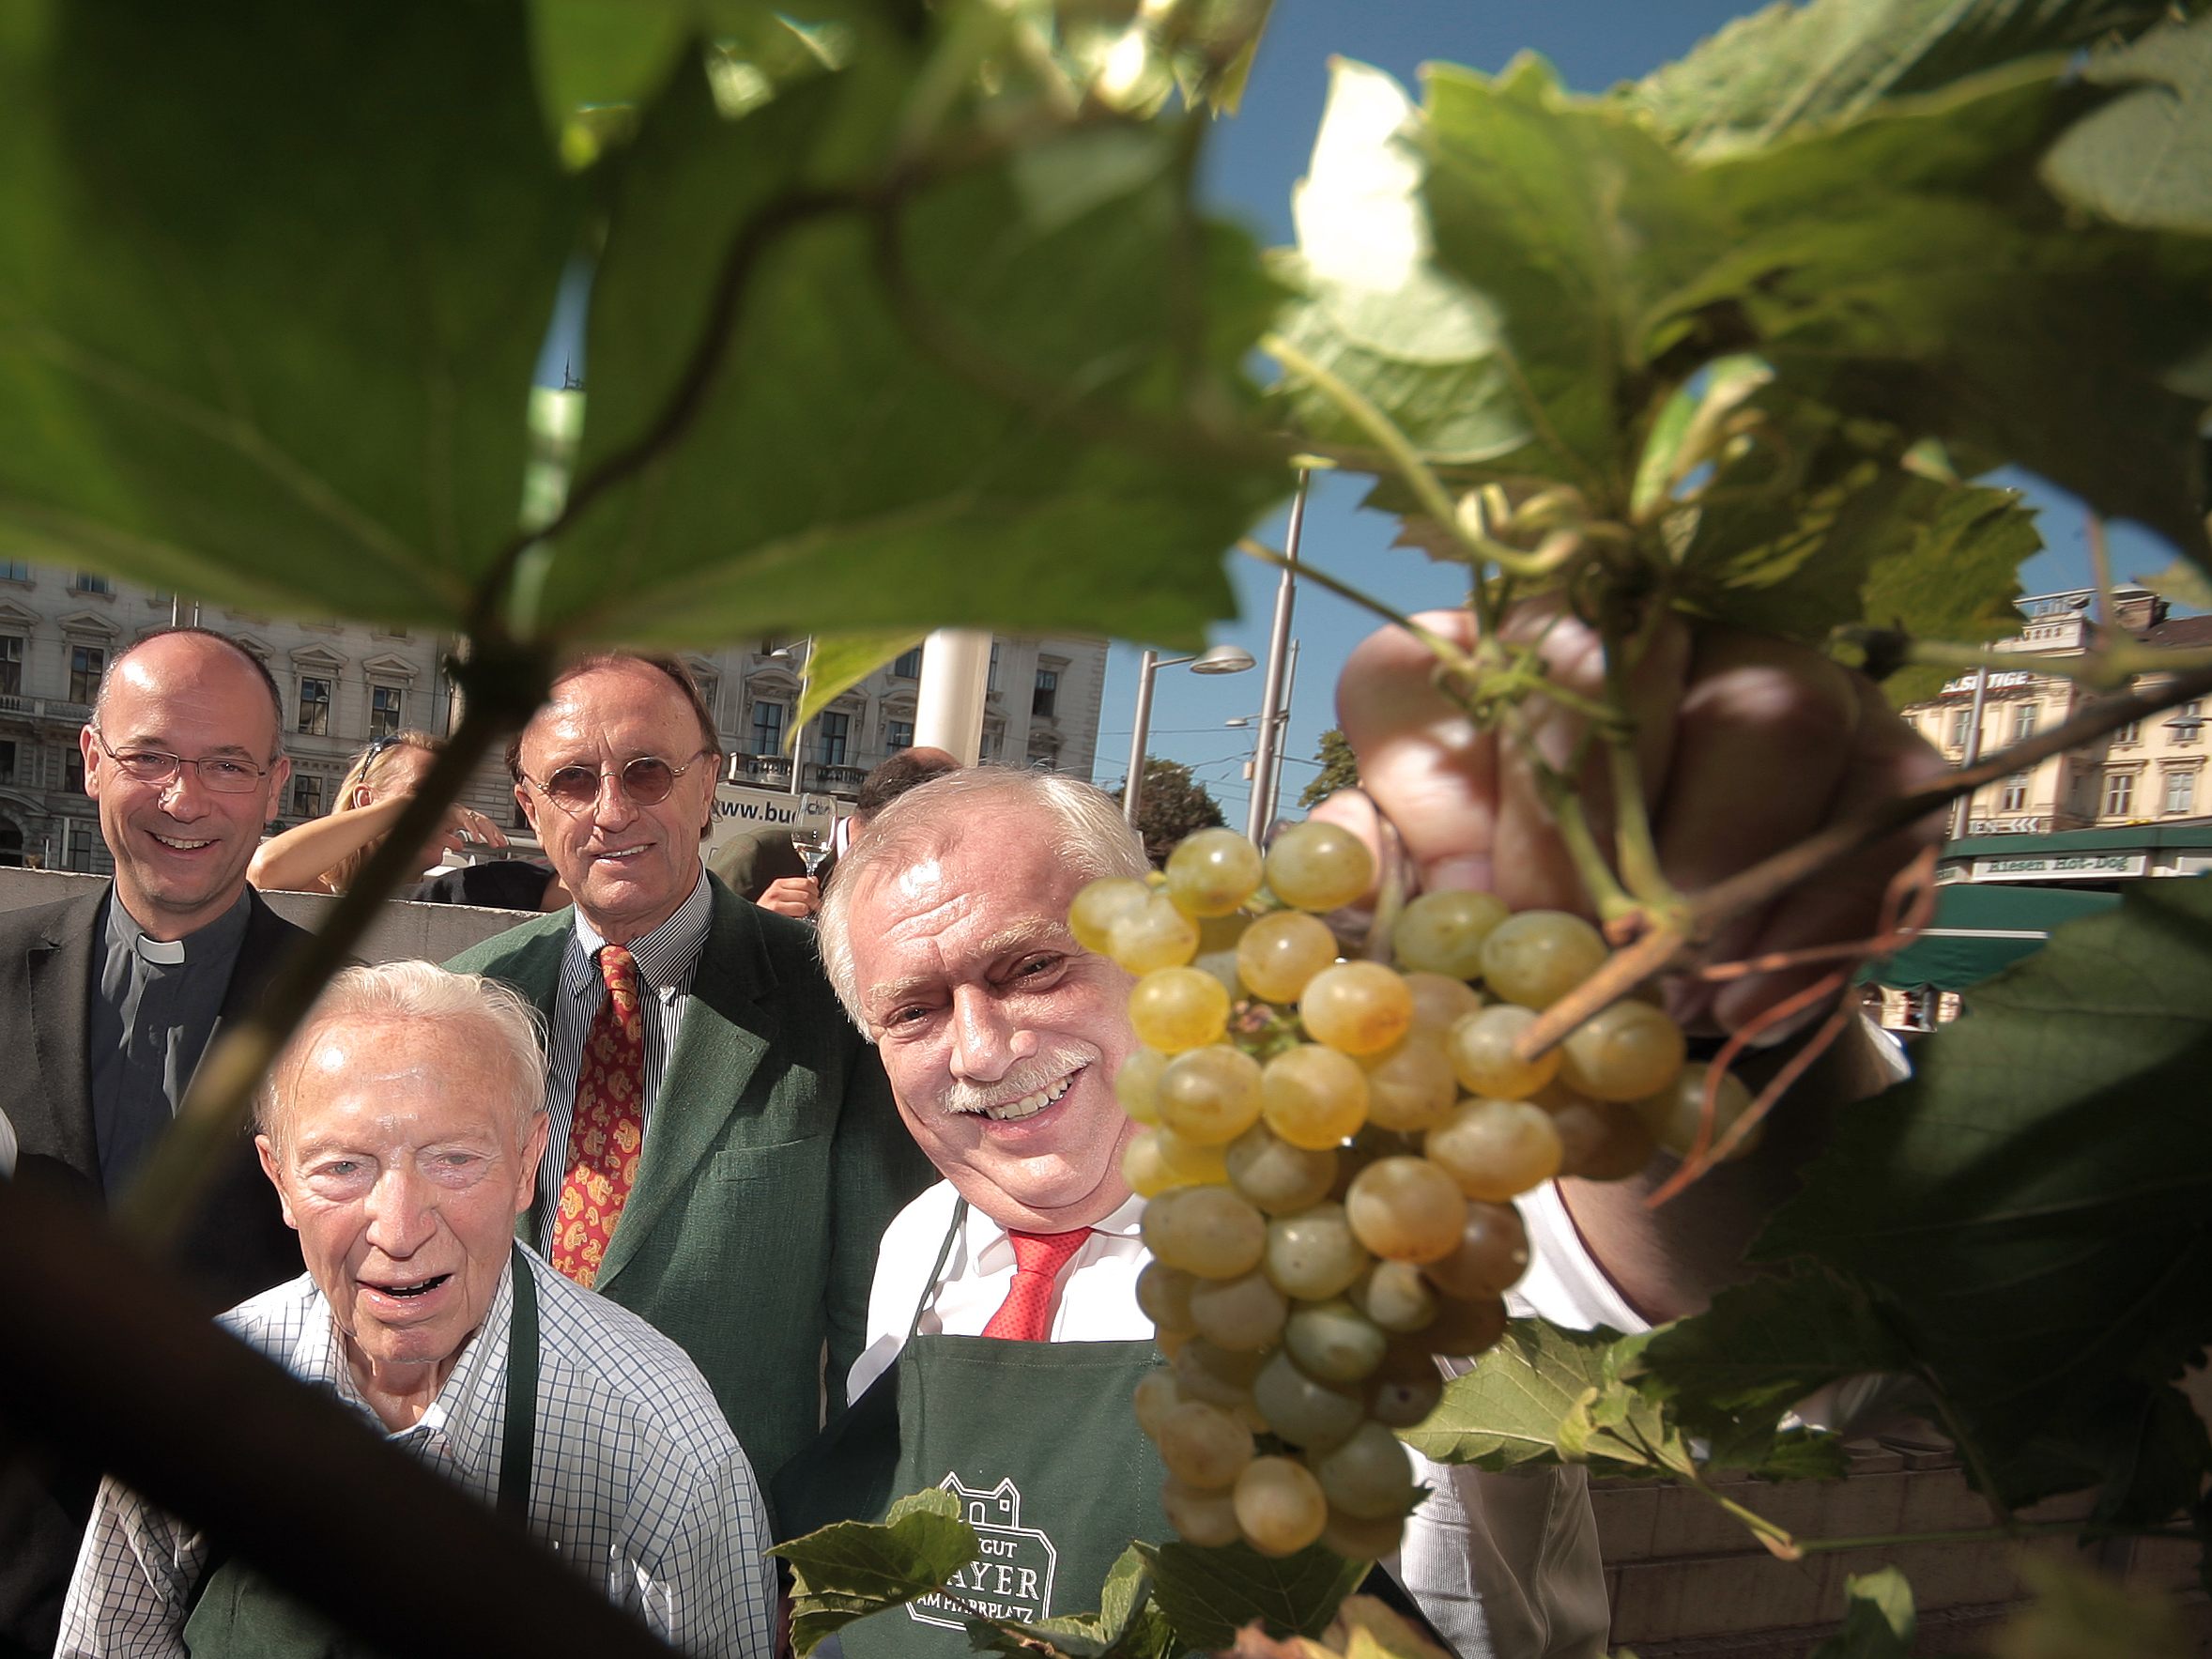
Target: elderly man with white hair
x: 402, y: 1128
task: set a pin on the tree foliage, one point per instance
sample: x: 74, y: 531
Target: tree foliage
x: 1340, y: 769
x: 1174, y: 804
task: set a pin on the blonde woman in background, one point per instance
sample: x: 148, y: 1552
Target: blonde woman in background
x: 326, y: 855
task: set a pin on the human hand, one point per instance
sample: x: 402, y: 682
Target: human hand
x: 1745, y: 746
x: 471, y: 825
x: 797, y: 897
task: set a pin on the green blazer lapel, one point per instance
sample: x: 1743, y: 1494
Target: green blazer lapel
x: 730, y: 1024
x: 59, y: 967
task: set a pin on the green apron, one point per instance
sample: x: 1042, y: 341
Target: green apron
x: 240, y: 1615
x: 1038, y: 1442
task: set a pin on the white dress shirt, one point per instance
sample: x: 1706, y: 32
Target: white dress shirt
x: 637, y: 1480
x: 1505, y: 1565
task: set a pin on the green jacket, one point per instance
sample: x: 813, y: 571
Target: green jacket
x: 774, y: 1160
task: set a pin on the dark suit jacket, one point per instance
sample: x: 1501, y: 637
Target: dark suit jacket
x: 236, y: 1245
x: 773, y: 1163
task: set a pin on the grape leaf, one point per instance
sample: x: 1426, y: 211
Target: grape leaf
x: 2083, y: 1614
x: 852, y: 1569
x: 1787, y: 67
x: 1127, y: 1625
x: 837, y: 662
x: 1954, y: 577
x: 1878, y: 1619
x: 272, y: 278
x: 1206, y: 1594
x: 2043, y: 1243
x: 847, y: 477
x: 2145, y: 159
x: 1546, y: 1395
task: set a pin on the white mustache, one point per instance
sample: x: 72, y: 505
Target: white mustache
x: 1041, y: 1070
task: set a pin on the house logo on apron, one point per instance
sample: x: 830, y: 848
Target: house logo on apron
x: 1011, y: 1577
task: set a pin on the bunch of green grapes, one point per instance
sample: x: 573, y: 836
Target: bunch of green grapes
x: 1330, y: 1153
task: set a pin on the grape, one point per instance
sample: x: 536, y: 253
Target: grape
x: 1333, y: 1343
x: 1622, y: 1053
x: 1203, y: 1445
x: 1210, y: 1095
x: 1217, y: 938
x: 1280, y: 1508
x: 1394, y: 1296
x: 1313, y: 1255
x: 1490, y: 1258
x: 1208, y: 1231
x: 1405, y: 1210
x: 1481, y: 1049
x: 1370, y: 1476
x: 1439, y: 1002
x: 1357, y: 1007
x: 1174, y: 1009
x: 1164, y: 1294
x: 1672, y: 1115
x: 1099, y: 905
x: 1359, y: 1540
x: 1152, y: 936
x: 1219, y: 1377
x: 1157, y: 1395
x: 1313, y: 1097
x: 1157, y: 1160
x: 1279, y: 1177
x: 1170, y: 1343
x: 1497, y: 1149
x: 1601, y: 1140
x: 1280, y: 953
x: 1208, y: 1519
x: 1319, y: 866
x: 1242, y: 1314
x: 1443, y: 932
x: 1536, y: 957
x: 1212, y: 872
x: 1136, y: 1084
x: 1410, y: 1085
x: 1301, y: 1411
x: 1405, y: 1386
x: 1462, y: 1327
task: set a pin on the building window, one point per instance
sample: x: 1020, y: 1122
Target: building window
x: 989, y: 748
x: 307, y: 796
x: 384, y: 710
x: 86, y: 664
x: 2128, y: 735
x: 84, y: 581
x: 830, y: 738
x: 1959, y: 728
x: 993, y: 683
x: 11, y: 665
x: 909, y: 666
x: 2181, y: 791
x: 72, y: 769
x: 1046, y: 694
x: 710, y: 693
x: 2188, y: 723
x: 14, y: 570
x: 2023, y: 722
x: 7, y: 762
x: 2015, y: 798
x: 315, y: 707
x: 768, y: 728
x: 81, y: 847
x: 2119, y: 794
x: 899, y: 734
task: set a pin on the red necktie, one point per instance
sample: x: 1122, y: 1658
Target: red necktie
x: 1026, y: 1314
x: 608, y: 1124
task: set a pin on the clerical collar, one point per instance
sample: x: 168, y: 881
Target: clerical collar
x: 218, y: 938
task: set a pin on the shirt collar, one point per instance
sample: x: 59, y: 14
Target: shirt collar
x: 993, y: 1248
x: 209, y: 942
x: 666, y: 957
x: 466, y: 1413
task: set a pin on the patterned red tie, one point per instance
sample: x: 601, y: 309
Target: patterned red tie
x: 1026, y: 1314
x: 608, y: 1124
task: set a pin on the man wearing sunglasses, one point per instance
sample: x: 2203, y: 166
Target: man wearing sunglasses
x: 109, y: 1000
x: 724, y: 1153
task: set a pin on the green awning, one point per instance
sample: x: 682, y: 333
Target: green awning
x: 1981, y: 927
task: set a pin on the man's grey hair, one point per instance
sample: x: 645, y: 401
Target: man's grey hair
x: 489, y: 1019
x: 1084, y: 823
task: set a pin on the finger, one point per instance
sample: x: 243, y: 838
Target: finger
x: 1843, y: 902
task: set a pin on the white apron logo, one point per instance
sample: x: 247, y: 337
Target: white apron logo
x: 1011, y: 1577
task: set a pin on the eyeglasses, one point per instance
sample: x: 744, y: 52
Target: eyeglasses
x: 645, y: 781
x: 225, y: 773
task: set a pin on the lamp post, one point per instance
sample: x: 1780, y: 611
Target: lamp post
x: 1222, y: 659
x: 1267, y: 790
x: 1266, y: 764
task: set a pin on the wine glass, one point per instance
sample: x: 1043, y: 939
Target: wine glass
x: 811, y: 843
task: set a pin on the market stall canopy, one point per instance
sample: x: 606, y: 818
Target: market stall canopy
x: 1979, y: 929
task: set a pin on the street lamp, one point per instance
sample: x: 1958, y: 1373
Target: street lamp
x: 1222, y: 659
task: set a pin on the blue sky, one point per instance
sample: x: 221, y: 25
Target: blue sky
x: 1253, y: 161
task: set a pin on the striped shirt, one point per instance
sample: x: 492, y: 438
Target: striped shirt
x: 667, y: 962
x: 637, y: 1480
